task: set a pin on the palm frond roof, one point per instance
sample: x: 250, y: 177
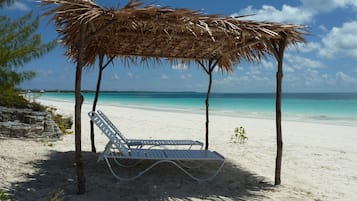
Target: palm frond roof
x: 149, y: 32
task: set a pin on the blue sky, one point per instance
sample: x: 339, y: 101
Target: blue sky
x: 327, y: 63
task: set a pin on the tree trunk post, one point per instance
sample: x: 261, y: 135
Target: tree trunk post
x: 209, y: 71
x: 78, y: 112
x: 279, y: 140
x: 99, y: 80
x: 207, y: 107
x: 279, y: 55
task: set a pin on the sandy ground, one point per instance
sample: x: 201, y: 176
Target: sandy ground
x: 319, y: 160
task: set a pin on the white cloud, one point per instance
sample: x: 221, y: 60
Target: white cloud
x: 286, y: 14
x: 328, y: 5
x: 313, y: 78
x: 164, y: 77
x: 355, y: 70
x: 262, y: 79
x: 186, y: 76
x: 345, y: 79
x: 309, y: 79
x: 268, y: 65
x: 300, y: 14
x: 341, y: 40
x: 323, y: 28
x: 309, y: 47
x: 179, y: 66
x: 245, y: 82
x: 19, y: 6
x: 45, y: 72
x: 298, y: 62
x: 254, y: 70
x: 240, y: 68
x: 288, y: 69
x: 115, y: 77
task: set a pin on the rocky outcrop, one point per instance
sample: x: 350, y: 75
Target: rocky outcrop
x: 27, y: 123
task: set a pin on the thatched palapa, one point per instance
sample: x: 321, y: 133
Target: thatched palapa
x: 148, y: 32
x: 151, y: 32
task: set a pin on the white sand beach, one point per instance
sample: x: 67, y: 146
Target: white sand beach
x: 319, y: 160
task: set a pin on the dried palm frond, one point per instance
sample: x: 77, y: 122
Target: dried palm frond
x: 176, y: 34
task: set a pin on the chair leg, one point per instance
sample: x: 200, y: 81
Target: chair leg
x: 115, y: 155
x: 130, y: 178
x: 176, y: 163
x: 197, y: 178
x: 127, y: 165
x: 189, y: 166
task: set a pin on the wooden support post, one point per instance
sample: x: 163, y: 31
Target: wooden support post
x: 78, y: 111
x: 279, y: 55
x: 99, y: 81
x: 207, y: 102
x: 209, y: 71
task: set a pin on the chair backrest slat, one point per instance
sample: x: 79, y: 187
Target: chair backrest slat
x: 110, y: 123
x: 123, y: 148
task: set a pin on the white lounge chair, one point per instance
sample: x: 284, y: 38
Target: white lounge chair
x: 147, y: 142
x: 117, y: 149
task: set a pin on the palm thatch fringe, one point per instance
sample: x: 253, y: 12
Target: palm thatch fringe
x: 150, y: 32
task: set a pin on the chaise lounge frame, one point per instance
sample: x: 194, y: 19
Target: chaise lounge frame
x: 117, y: 149
x: 139, y: 143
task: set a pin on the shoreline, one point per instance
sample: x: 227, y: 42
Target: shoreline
x: 318, y: 160
x: 286, y: 117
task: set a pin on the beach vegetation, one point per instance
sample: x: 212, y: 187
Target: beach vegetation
x: 46, y: 142
x: 63, y: 123
x: 12, y: 98
x: 4, y: 196
x: 19, y: 44
x: 239, y: 135
x: 56, y: 195
x: 35, y: 106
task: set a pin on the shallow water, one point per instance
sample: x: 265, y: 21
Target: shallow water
x: 331, y: 108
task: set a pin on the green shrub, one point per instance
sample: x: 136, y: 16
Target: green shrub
x: 56, y: 195
x: 38, y: 107
x: 10, y: 98
x: 64, y: 123
x: 4, y: 196
x: 240, y: 135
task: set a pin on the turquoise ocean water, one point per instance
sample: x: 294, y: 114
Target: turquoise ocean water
x: 331, y: 108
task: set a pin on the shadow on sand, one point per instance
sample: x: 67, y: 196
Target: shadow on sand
x: 163, y: 182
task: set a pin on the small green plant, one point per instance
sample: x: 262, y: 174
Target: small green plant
x: 56, y: 195
x: 45, y: 142
x: 10, y: 98
x: 38, y: 107
x: 239, y: 135
x: 4, y: 196
x: 64, y: 123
